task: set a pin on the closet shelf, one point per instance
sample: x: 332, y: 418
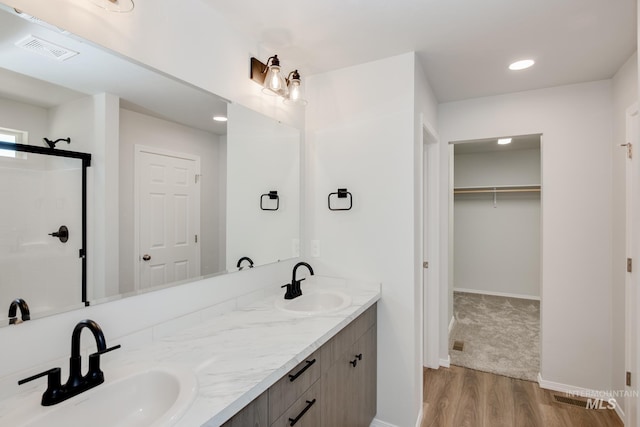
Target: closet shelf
x: 498, y: 189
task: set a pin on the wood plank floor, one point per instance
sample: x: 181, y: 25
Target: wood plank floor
x: 461, y: 397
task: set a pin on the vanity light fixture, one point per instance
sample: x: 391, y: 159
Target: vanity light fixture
x: 521, y: 65
x: 504, y: 141
x: 269, y: 76
x: 273, y: 81
x: 296, y: 93
x: 121, y: 6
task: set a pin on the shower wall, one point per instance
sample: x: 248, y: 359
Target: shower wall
x: 38, y: 194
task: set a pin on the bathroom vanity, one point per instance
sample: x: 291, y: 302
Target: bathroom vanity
x: 334, y: 386
x: 309, y: 362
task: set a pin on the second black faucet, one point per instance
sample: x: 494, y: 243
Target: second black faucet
x: 293, y: 288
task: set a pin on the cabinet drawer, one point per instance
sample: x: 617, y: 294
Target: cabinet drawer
x: 332, y: 350
x: 305, y: 412
x: 290, y: 387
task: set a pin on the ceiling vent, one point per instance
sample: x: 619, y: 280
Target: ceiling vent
x: 46, y: 48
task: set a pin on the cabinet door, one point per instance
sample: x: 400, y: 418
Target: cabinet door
x: 365, y: 378
x: 350, y: 386
x: 255, y: 414
x: 339, y: 403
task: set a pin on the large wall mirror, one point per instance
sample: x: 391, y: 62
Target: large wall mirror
x: 172, y: 195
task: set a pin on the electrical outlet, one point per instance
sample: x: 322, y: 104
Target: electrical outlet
x: 315, y: 248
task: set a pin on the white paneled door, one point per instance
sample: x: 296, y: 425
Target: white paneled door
x: 168, y: 217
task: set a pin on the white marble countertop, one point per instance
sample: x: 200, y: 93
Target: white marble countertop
x: 242, y: 353
x: 238, y: 355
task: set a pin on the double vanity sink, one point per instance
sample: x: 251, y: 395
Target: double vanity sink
x: 205, y: 374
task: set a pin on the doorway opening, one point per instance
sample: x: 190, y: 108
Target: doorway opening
x: 495, y: 277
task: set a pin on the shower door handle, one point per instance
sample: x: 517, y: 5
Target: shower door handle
x: 146, y: 257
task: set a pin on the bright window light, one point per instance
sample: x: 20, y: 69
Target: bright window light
x: 7, y: 138
x: 13, y: 136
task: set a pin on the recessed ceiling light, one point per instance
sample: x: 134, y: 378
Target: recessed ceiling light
x: 521, y: 65
x: 220, y: 118
x: 504, y: 141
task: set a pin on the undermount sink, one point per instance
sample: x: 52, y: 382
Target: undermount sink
x: 152, y: 396
x: 315, y: 301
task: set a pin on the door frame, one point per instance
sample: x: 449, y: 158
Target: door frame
x: 430, y: 207
x: 632, y: 250
x: 138, y: 150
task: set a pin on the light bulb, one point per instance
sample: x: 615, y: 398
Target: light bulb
x: 274, y: 82
x: 295, y: 91
x: 296, y: 94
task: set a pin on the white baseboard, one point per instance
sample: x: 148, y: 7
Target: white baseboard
x: 452, y: 323
x: 497, y: 294
x: 379, y: 423
x: 445, y: 363
x: 578, y: 391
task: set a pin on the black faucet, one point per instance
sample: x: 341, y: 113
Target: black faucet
x: 293, y: 288
x: 244, y: 258
x: 77, y: 383
x: 13, y: 311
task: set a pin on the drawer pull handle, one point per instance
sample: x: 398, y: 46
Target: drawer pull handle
x: 293, y: 421
x: 354, y: 362
x: 292, y: 378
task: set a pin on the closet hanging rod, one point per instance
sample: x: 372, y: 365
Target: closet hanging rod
x: 504, y: 189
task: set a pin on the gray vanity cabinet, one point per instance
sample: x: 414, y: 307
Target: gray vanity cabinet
x: 255, y: 414
x: 334, y: 387
x: 349, y: 381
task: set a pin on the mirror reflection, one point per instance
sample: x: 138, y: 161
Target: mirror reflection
x: 172, y: 195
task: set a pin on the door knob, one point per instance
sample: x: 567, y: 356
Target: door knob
x: 146, y: 257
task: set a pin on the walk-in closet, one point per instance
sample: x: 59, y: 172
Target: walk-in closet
x: 496, y: 268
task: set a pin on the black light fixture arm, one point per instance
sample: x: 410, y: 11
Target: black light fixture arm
x: 272, y: 60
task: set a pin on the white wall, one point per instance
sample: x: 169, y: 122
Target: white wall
x: 25, y: 117
x: 625, y: 93
x: 497, y: 248
x: 89, y: 122
x: 575, y: 123
x: 136, y: 128
x: 364, y: 140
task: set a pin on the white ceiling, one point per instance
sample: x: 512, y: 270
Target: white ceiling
x: 465, y: 46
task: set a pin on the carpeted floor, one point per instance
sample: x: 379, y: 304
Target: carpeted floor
x: 500, y: 335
